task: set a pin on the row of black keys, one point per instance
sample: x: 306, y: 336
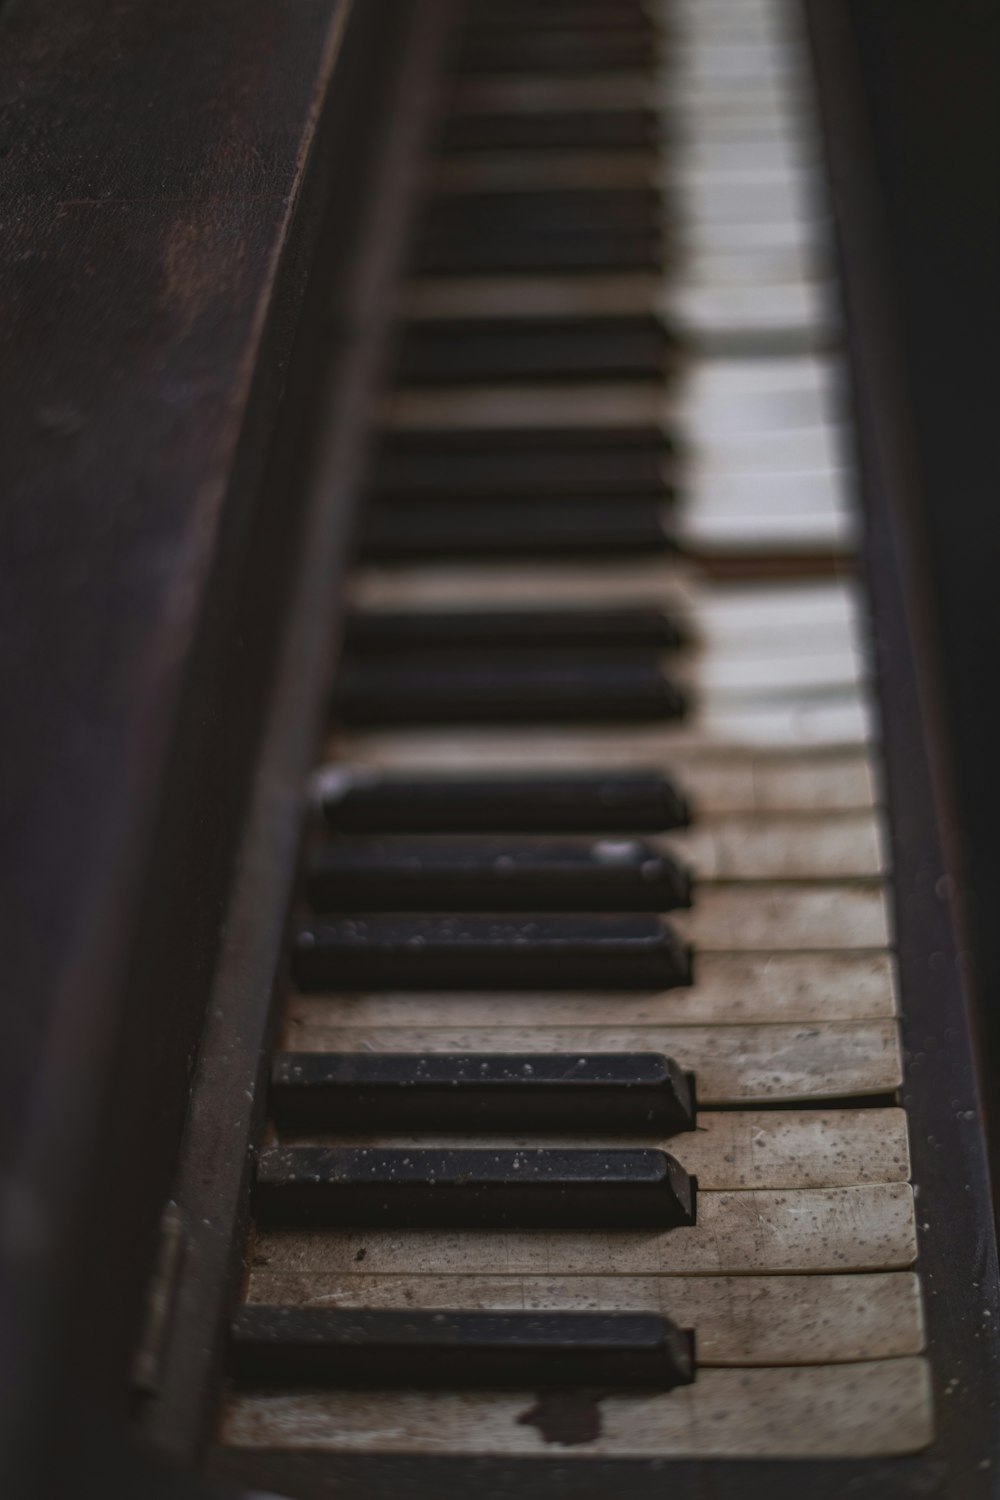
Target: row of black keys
x: 427, y: 845
x: 623, y: 1094
x: 492, y: 510
x: 512, y: 666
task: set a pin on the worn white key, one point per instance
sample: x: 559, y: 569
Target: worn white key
x: 743, y: 197
x: 720, y: 379
x: 771, y: 451
x: 835, y: 535
x: 843, y: 847
x: 717, y: 673
x: 753, y: 917
x: 767, y: 1149
x: 739, y: 1233
x: 739, y: 265
x: 865, y: 1410
x: 734, y: 1064
x: 765, y: 496
x: 806, y: 236
x: 791, y: 316
x: 744, y: 1320
x: 789, y: 152
x: 731, y: 989
x: 711, y: 62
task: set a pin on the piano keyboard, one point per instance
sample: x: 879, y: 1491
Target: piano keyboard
x: 589, y: 1075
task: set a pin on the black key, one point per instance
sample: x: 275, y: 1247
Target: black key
x: 508, y: 952
x: 440, y: 468
x: 558, y: 212
x: 556, y: 250
x: 587, y: 130
x: 614, y: 1093
x: 472, y: 872
x: 587, y: 15
x: 378, y: 632
x: 399, y: 533
x: 630, y: 802
x: 496, y: 350
x: 407, y: 1188
x: 532, y: 688
x: 559, y: 51
x: 432, y: 1349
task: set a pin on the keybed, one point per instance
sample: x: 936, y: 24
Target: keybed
x: 619, y: 390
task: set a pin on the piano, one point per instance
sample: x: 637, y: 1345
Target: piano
x: 494, y: 997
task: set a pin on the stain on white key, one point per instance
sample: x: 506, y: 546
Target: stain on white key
x: 827, y: 1411
x: 744, y: 1320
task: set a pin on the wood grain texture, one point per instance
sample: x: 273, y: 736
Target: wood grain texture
x: 166, y: 177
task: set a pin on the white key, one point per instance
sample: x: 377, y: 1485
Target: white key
x: 861, y: 1410
x: 845, y: 846
x: 749, y: 918
x: 793, y: 316
x: 745, y: 197
x: 731, y: 989
x: 744, y: 1320
x: 738, y: 1233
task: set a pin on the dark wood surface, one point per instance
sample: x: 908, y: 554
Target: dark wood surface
x: 393, y: 74
x: 165, y: 174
